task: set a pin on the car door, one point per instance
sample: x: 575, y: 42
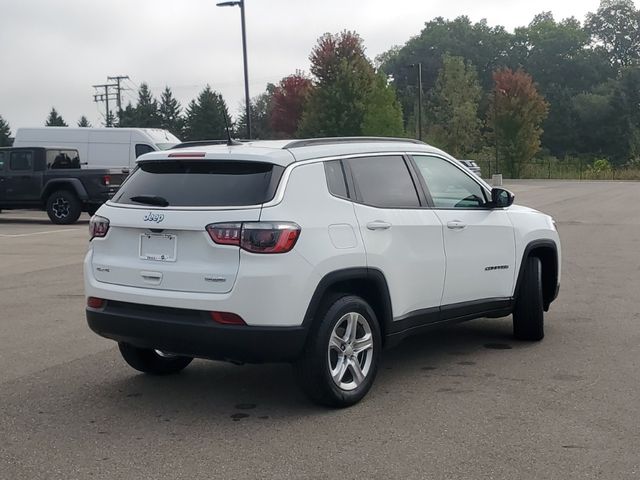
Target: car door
x: 479, y: 241
x: 401, y: 235
x: 21, y: 185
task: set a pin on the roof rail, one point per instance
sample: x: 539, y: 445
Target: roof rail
x: 337, y: 140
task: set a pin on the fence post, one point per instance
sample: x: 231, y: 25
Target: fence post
x: 549, y: 169
x: 581, y: 168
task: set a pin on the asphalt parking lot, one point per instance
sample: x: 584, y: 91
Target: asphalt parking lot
x: 444, y: 405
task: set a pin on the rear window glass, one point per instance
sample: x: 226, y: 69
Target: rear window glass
x: 201, y: 183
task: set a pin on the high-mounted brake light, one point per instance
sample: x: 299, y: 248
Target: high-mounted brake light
x: 98, y: 227
x: 256, y: 237
x: 187, y: 155
x: 106, y: 180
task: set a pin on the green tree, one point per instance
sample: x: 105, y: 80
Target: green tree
x: 454, y: 125
x: 170, y: 112
x: 55, y: 120
x: 615, y: 27
x: 205, y: 117
x: 383, y: 113
x: 346, y: 88
x: 147, y: 111
x: 5, y: 133
x: 127, y: 117
x: 260, y: 116
x: 516, y: 114
x: 83, y: 122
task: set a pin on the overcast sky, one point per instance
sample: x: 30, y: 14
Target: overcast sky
x: 54, y: 51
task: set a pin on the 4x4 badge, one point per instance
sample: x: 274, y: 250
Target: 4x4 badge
x: 153, y: 217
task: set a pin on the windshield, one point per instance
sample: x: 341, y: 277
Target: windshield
x: 165, y: 146
x: 200, y: 183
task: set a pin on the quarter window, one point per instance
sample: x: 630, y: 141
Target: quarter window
x: 449, y: 186
x: 335, y: 178
x: 384, y: 181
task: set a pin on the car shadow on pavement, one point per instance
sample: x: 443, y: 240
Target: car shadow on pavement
x: 210, y: 389
x: 38, y: 221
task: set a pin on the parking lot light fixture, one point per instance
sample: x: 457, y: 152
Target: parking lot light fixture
x: 240, y: 3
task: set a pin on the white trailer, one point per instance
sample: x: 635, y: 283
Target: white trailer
x: 99, y: 147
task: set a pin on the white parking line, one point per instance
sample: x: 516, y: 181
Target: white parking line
x: 15, y: 235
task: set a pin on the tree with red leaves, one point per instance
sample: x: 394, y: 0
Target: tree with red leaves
x: 287, y: 104
x: 348, y: 98
x: 516, y: 114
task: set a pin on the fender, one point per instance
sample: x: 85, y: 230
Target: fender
x: 552, y: 292
x: 350, y: 274
x: 56, y: 183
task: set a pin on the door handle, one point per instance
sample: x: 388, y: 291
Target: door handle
x: 378, y: 225
x: 456, y: 225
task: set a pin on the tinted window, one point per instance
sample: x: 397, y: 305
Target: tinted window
x: 449, y: 186
x: 141, y: 149
x: 202, y: 183
x: 336, y: 179
x: 21, y: 160
x: 384, y: 182
x: 62, y: 159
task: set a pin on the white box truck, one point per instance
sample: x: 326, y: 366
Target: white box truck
x: 99, y: 147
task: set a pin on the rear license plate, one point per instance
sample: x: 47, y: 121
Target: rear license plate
x: 161, y: 248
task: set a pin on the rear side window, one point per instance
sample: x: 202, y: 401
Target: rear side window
x: 336, y: 178
x: 202, y: 183
x: 384, y: 181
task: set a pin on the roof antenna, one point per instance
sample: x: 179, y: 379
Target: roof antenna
x: 230, y: 141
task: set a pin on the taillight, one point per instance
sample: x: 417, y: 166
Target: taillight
x: 256, y: 237
x: 98, y: 227
x: 106, y: 180
x: 225, y: 233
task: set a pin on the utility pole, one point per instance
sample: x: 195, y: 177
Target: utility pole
x: 105, y: 97
x: 119, y: 90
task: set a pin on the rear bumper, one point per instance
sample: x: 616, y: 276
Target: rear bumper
x: 192, y: 333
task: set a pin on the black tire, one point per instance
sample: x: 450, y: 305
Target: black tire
x: 313, y: 370
x: 63, y: 207
x: 528, y: 314
x: 148, y: 361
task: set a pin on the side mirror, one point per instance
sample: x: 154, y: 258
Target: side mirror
x: 501, y: 198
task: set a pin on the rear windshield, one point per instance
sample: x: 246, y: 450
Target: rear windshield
x: 201, y: 183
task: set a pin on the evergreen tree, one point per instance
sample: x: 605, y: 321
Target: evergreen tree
x: 55, y: 120
x: 205, y: 117
x: 5, y: 133
x: 127, y: 117
x: 170, y: 113
x: 261, y: 106
x: 147, y: 113
x: 454, y: 122
x: 83, y: 122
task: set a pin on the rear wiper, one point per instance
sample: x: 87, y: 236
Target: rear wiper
x: 150, y: 200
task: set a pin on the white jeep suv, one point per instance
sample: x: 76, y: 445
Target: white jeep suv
x: 316, y: 252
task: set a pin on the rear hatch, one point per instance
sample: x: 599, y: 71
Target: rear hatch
x: 157, y: 237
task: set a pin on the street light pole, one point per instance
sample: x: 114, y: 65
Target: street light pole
x: 419, y: 65
x: 240, y: 3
